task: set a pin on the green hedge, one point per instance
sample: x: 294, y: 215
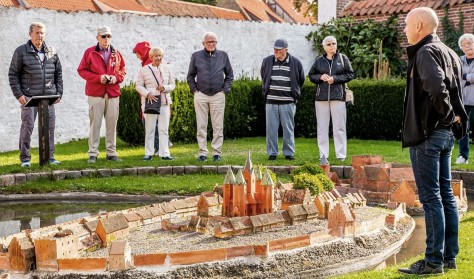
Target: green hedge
x: 377, y: 113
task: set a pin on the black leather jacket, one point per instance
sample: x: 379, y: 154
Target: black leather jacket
x: 341, y: 71
x: 433, y: 95
x: 29, y: 77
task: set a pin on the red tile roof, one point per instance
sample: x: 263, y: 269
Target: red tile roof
x: 9, y: 3
x: 258, y: 10
x: 181, y: 8
x: 65, y: 5
x: 382, y: 7
x: 125, y: 5
x: 298, y: 17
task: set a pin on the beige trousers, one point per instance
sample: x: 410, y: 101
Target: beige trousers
x: 215, y: 105
x: 107, y: 108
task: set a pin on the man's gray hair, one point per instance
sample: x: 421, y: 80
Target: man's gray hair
x: 37, y: 24
x: 464, y: 37
x: 209, y: 34
x: 329, y: 39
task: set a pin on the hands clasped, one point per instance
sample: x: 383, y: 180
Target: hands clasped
x: 150, y: 98
x: 327, y: 78
x: 107, y: 79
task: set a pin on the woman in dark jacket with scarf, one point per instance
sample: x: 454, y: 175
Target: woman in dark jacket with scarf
x: 330, y: 72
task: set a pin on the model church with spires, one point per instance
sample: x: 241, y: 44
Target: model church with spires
x: 247, y: 193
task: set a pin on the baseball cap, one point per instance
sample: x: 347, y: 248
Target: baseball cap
x: 280, y: 44
x: 104, y: 30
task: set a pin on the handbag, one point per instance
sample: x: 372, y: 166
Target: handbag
x: 349, y: 94
x: 153, y: 107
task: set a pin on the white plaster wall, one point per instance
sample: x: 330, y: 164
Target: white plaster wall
x: 247, y: 43
x: 327, y: 10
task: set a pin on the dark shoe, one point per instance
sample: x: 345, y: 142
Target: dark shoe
x: 422, y: 267
x: 147, y: 158
x: 92, y: 160
x: 202, y: 158
x: 53, y: 161
x: 289, y: 157
x: 216, y: 158
x: 450, y: 265
x: 113, y: 158
x: 167, y: 158
x: 272, y: 157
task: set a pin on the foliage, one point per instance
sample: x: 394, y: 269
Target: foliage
x: 310, y: 8
x: 183, y: 117
x: 308, y: 181
x: 326, y: 183
x: 309, y: 168
x: 264, y: 169
x: 129, y: 126
x: 451, y: 34
x: 360, y: 41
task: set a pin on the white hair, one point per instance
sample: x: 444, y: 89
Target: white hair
x: 37, y: 24
x: 209, y: 34
x: 464, y: 37
x: 329, y: 39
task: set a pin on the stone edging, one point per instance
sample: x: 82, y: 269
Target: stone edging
x: 19, y: 178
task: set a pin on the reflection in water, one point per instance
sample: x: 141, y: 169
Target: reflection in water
x: 16, y: 217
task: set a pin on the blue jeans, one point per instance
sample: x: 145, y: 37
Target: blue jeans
x: 464, y: 142
x: 284, y: 114
x: 431, y: 163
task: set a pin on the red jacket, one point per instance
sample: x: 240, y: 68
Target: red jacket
x: 92, y: 67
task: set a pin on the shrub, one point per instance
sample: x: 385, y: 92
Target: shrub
x: 183, y: 118
x: 326, y: 183
x: 129, y: 126
x: 308, y: 168
x: 263, y: 169
x: 308, y: 181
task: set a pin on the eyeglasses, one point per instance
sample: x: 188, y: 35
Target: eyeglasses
x: 466, y: 45
x: 331, y: 44
x: 211, y: 43
x: 106, y: 36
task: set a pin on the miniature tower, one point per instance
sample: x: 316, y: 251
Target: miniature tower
x: 249, y: 174
x: 227, y: 193
x: 239, y: 196
x: 258, y: 189
x: 267, y: 193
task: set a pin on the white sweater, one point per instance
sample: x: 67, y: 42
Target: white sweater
x: 146, y: 83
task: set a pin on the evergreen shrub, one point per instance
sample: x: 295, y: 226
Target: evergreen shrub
x: 129, y: 126
x: 326, y: 183
x: 308, y: 181
x: 308, y: 168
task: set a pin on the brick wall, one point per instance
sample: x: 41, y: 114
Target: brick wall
x: 340, y: 5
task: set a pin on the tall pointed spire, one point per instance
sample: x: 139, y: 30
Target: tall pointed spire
x: 258, y: 172
x: 267, y: 179
x: 239, y: 178
x: 248, y: 163
x: 229, y: 177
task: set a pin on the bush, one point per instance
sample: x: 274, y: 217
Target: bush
x: 326, y: 183
x: 129, y: 126
x: 263, y: 169
x: 308, y: 181
x: 308, y: 168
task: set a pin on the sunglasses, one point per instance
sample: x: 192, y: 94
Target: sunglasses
x: 331, y: 44
x: 106, y: 36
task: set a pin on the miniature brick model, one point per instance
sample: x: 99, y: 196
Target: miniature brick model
x: 295, y: 196
x: 402, y: 192
x: 247, y: 193
x: 341, y: 220
x: 134, y: 220
x: 61, y: 246
x: 209, y: 205
x: 120, y: 255
x: 21, y: 253
x: 112, y: 228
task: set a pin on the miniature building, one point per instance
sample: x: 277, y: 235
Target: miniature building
x: 311, y: 210
x: 341, y: 220
x: 48, y: 250
x: 145, y: 216
x: 90, y: 243
x: 120, y: 256
x: 157, y: 212
x: 297, y: 214
x: 241, y: 225
x: 21, y: 254
x: 209, y: 206
x: 295, y: 196
x: 247, y: 193
x: 320, y: 203
x: 112, y: 228
x: 224, y: 229
x: 402, y: 192
x: 134, y: 220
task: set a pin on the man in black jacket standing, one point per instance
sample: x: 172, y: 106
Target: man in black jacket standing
x: 433, y: 110
x: 35, y: 70
x: 282, y: 77
x: 210, y: 77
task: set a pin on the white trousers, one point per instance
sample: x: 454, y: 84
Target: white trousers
x: 324, y: 112
x: 163, y: 127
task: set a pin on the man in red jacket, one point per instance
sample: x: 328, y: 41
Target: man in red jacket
x: 103, y: 68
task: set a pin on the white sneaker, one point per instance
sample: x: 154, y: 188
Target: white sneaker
x: 460, y: 161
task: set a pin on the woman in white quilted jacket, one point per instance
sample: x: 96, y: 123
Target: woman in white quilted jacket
x: 155, y: 80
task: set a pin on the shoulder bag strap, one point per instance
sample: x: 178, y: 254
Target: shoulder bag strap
x: 157, y: 82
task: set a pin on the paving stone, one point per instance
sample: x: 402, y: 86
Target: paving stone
x: 223, y: 169
x: 58, y: 175
x: 73, y: 174
x: 8, y: 180
x: 235, y: 169
x: 116, y: 172
x: 468, y: 180
x: 281, y: 169
x: 209, y: 169
x: 89, y: 173
x: 192, y: 169
x: 104, y: 172
x: 291, y: 168
x: 347, y: 172
x: 146, y: 170
x: 178, y: 170
x: 20, y: 178
x: 164, y: 170
x: 339, y: 170
x: 32, y: 176
x: 45, y: 175
x: 130, y: 171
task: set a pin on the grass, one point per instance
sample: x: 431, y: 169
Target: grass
x: 465, y: 259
